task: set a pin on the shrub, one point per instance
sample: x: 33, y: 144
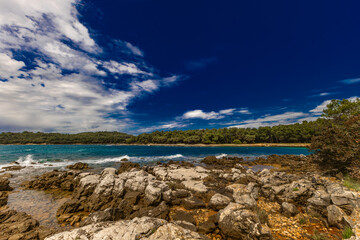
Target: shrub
x: 236, y: 141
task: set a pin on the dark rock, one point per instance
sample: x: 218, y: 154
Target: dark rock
x: 180, y: 215
x: 13, y: 168
x: 3, y: 198
x: 192, y: 203
x: 289, y: 209
x: 4, y: 183
x: 127, y: 166
x: 206, y: 227
x: 224, y: 162
x: 160, y: 211
x: 181, y: 193
x: 19, y: 225
x: 78, y: 166
x: 109, y: 214
x: 186, y: 225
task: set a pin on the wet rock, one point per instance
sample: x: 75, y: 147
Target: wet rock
x: 219, y: 201
x: 138, y: 228
x: 239, y: 223
x: 224, y: 161
x: 127, y: 166
x: 78, y: 166
x: 289, y: 209
x: 181, y: 193
x: 192, y: 203
x: 13, y: 168
x: 53, y: 180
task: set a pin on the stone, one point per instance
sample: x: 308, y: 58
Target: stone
x: 245, y: 199
x: 186, y: 225
x: 144, y: 228
x: 219, y: 201
x: 109, y: 214
x: 4, y: 183
x: 206, y: 227
x: 78, y: 166
x: 289, y: 209
x: 127, y: 166
x: 237, y: 222
x: 180, y: 215
x: 197, y: 186
x: 192, y: 203
x: 3, y: 198
x: 335, y: 216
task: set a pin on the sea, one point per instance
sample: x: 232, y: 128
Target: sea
x: 59, y: 156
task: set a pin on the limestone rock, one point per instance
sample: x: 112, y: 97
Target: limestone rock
x: 219, y: 201
x: 239, y: 223
x: 289, y: 209
x: 139, y: 228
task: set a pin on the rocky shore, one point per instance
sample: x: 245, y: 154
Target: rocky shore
x: 216, y: 199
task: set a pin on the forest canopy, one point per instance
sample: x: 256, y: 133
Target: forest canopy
x: 295, y: 133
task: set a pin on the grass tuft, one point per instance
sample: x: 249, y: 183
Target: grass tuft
x: 347, y: 233
x: 351, y: 183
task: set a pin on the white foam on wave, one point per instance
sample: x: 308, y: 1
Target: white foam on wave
x: 173, y: 156
x: 221, y: 156
x: 107, y: 160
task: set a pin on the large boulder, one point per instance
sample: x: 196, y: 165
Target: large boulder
x: 78, y: 166
x: 237, y: 222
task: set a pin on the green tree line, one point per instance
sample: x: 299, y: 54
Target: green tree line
x: 59, y: 138
x: 294, y: 133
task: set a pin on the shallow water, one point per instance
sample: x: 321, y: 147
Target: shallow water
x: 40, y: 205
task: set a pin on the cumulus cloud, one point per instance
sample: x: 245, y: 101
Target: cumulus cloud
x: 53, y: 73
x: 208, y: 115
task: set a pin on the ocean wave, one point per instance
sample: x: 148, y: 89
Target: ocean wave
x: 30, y: 161
x: 221, y: 155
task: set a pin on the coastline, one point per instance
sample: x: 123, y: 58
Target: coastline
x: 300, y: 145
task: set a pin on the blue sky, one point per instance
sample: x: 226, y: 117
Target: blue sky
x: 143, y: 65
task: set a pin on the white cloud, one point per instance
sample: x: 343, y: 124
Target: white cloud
x: 351, y: 80
x: 320, y: 108
x: 165, y: 126
x: 63, y: 88
x: 9, y: 67
x: 244, y: 111
x: 135, y: 50
x: 271, y: 120
x: 203, y: 115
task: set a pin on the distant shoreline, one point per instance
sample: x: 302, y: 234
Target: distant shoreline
x: 302, y: 145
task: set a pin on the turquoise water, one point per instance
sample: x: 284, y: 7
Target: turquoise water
x: 62, y: 155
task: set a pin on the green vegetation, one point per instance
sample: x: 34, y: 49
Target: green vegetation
x: 302, y: 220
x: 296, y: 189
x: 347, y: 233
x: 317, y: 236
x: 338, y: 145
x: 352, y: 183
x: 58, y: 138
x: 295, y: 133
